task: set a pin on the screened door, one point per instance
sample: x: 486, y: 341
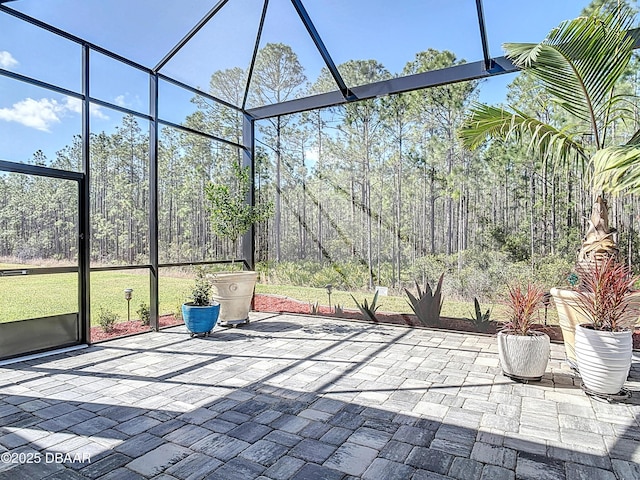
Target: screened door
x: 41, y: 248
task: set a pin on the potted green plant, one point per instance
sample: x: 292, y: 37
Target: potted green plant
x: 522, y: 348
x: 577, y: 67
x: 232, y: 216
x: 201, y: 314
x: 604, y: 343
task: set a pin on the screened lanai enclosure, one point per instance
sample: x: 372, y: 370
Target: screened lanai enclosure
x: 114, y: 117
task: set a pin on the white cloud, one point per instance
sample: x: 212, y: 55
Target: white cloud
x: 44, y: 113
x: 7, y: 61
x: 126, y: 100
x: 38, y: 114
x: 75, y: 105
x: 120, y: 101
x: 96, y: 111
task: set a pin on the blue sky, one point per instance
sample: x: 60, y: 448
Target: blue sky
x: 32, y: 118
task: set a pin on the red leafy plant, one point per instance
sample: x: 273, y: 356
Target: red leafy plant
x: 522, y: 304
x: 606, y: 296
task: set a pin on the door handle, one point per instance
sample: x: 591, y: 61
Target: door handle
x: 11, y: 273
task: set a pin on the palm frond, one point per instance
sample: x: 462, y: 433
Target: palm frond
x: 635, y: 139
x: 580, y: 62
x: 617, y: 168
x: 486, y: 121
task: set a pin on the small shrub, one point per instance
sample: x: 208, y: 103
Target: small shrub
x: 144, y: 314
x: 201, y: 290
x: 369, y: 311
x: 107, y: 319
x: 427, y: 305
x: 314, y: 308
x: 338, y: 310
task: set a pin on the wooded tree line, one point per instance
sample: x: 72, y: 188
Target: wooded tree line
x: 387, y: 182
x: 39, y: 216
x: 382, y: 183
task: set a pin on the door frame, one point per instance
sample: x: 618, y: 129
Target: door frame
x: 80, y: 178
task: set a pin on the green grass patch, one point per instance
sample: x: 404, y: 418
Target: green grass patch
x: 391, y: 303
x: 33, y: 296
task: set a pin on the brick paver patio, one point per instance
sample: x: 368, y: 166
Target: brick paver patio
x: 290, y: 397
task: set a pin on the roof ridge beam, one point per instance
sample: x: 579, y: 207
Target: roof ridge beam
x: 483, y: 36
x: 324, y: 53
x: 255, y: 53
x: 197, y: 27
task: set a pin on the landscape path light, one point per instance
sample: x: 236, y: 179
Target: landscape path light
x: 329, y: 288
x: 128, y: 293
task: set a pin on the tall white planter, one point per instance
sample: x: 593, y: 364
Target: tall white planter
x: 524, y: 357
x: 234, y: 292
x: 570, y: 315
x: 604, y: 358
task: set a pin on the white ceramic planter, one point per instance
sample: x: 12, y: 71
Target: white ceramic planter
x: 524, y: 357
x: 570, y: 316
x: 234, y: 292
x: 604, y: 358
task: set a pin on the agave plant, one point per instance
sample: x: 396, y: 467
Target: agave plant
x: 428, y: 304
x: 368, y: 311
x: 578, y: 66
x: 482, y: 321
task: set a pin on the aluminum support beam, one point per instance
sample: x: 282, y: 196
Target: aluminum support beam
x: 29, y: 169
x: 256, y: 46
x: 248, y: 160
x: 39, y: 83
x: 182, y: 128
x: 457, y: 73
x: 154, y: 277
x: 315, y: 36
x: 203, y: 21
x: 483, y: 35
x: 73, y: 38
x: 196, y: 91
x: 84, y: 240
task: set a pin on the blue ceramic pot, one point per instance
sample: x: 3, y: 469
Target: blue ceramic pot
x: 200, y: 319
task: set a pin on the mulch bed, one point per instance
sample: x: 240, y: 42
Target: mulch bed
x: 280, y: 304
x: 123, y: 329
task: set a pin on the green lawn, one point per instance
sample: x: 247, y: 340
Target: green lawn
x: 397, y: 304
x: 35, y: 296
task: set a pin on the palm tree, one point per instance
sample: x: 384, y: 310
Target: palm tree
x: 578, y: 66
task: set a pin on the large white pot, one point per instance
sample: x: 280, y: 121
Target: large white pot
x: 234, y: 292
x: 524, y: 357
x: 604, y: 358
x: 570, y: 315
